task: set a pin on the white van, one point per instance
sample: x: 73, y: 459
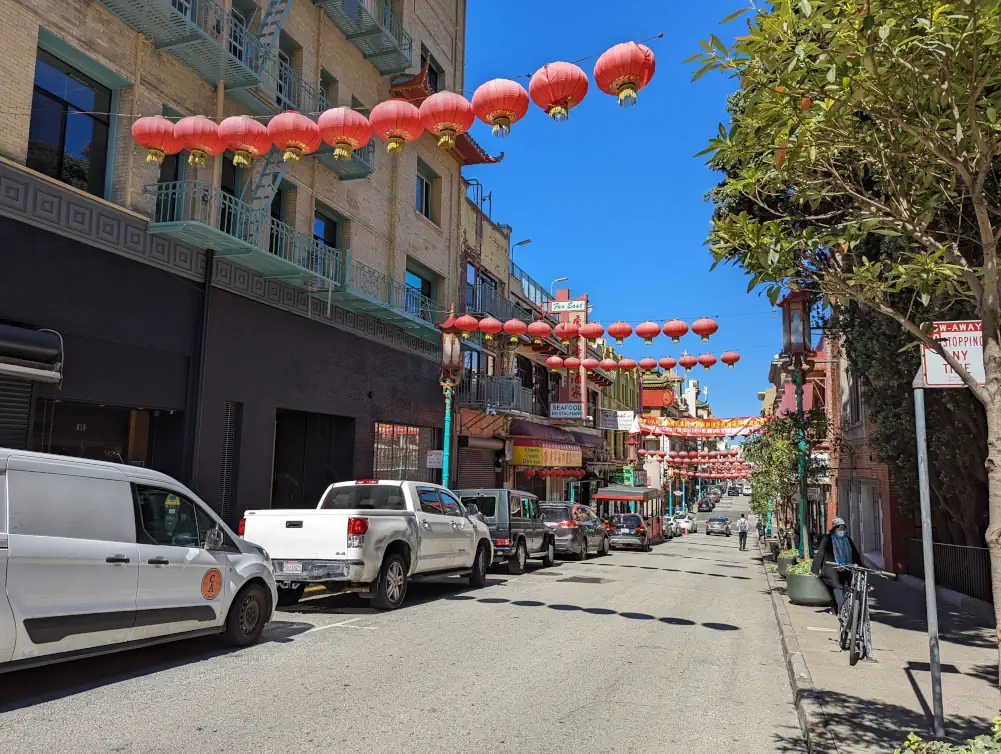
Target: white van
x: 97, y: 557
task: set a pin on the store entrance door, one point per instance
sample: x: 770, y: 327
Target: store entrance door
x: 312, y: 451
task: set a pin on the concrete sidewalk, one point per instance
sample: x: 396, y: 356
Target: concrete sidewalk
x: 875, y: 705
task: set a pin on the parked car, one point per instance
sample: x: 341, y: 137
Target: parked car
x: 629, y: 530
x: 718, y: 525
x: 97, y: 557
x: 675, y: 526
x: 747, y: 489
x: 733, y: 491
x: 705, y: 506
x: 516, y: 525
x: 372, y: 537
x: 714, y: 498
x: 576, y: 528
x: 687, y: 522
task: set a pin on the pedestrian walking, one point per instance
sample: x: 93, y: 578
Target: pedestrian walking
x: 836, y: 548
x: 742, y: 531
x: 761, y: 530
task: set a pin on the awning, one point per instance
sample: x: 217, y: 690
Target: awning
x: 543, y: 453
x: 31, y: 354
x: 522, y: 428
x: 626, y: 493
x: 583, y: 438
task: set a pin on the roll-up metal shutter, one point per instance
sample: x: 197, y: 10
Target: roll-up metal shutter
x: 476, y: 468
x: 15, y: 411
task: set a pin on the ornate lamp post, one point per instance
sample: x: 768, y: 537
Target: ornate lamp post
x: 451, y: 373
x: 798, y: 353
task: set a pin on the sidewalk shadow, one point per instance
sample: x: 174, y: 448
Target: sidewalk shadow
x: 871, y: 724
x: 898, y: 606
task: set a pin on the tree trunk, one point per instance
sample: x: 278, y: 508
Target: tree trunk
x: 992, y: 366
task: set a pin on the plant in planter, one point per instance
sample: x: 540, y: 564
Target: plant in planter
x: 986, y: 744
x: 786, y: 559
x: 803, y: 588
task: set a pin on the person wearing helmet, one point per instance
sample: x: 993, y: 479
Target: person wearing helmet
x: 836, y: 548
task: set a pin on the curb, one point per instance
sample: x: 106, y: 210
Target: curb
x: 961, y: 602
x: 812, y: 720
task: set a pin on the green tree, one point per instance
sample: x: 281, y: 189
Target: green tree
x: 867, y: 119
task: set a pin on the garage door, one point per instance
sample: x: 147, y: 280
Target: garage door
x: 476, y: 468
x: 15, y: 410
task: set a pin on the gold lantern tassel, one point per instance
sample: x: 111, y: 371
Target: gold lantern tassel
x: 559, y: 113
x: 446, y: 139
x: 292, y: 153
x: 242, y: 158
x: 155, y: 155
x: 343, y: 151
x: 197, y: 158
x: 502, y: 127
x: 396, y: 145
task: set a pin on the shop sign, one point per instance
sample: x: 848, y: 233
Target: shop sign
x: 689, y: 427
x: 436, y: 459
x: 622, y: 476
x: 639, y: 478
x: 558, y: 307
x: 566, y: 411
x: 965, y: 341
x: 547, y: 455
x: 615, y: 420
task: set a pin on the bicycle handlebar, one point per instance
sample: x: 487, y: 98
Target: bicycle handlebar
x: 884, y: 574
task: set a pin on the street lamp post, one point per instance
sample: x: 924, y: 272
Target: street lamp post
x: 520, y: 243
x: 451, y: 372
x: 797, y: 349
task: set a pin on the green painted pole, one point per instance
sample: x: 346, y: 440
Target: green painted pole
x: 804, y: 531
x: 670, y: 498
x: 447, y: 453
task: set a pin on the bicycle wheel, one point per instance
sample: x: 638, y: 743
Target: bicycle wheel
x: 856, y: 646
x: 844, y: 620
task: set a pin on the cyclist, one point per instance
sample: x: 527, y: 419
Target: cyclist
x: 836, y: 548
x: 742, y: 531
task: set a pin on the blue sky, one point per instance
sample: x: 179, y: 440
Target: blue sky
x: 613, y: 198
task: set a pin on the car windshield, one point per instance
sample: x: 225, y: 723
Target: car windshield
x: 365, y: 496
x: 621, y: 520
x: 486, y: 504
x: 555, y: 513
x: 717, y: 520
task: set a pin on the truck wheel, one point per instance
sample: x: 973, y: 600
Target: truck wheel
x: 478, y: 576
x: 516, y: 565
x: 288, y: 597
x: 550, y: 557
x: 392, y: 583
x: 247, y: 616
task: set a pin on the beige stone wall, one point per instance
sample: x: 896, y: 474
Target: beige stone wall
x: 495, y: 249
x: 383, y: 226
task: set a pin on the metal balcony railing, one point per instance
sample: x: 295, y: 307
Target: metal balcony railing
x: 361, y: 164
x: 381, y: 289
x: 495, y: 393
x: 529, y: 288
x: 964, y: 569
x: 485, y: 299
x: 290, y: 89
x: 371, y: 26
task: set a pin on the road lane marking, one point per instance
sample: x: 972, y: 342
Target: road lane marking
x: 343, y: 624
x: 826, y: 630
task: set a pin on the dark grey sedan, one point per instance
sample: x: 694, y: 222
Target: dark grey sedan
x: 718, y: 525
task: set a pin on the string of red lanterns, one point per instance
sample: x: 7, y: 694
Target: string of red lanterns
x: 621, y: 71
x: 547, y: 473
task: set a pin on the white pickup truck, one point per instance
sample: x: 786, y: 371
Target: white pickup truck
x: 372, y: 537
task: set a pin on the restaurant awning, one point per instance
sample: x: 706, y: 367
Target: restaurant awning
x: 522, y: 428
x: 626, y: 493
x: 529, y: 451
x: 583, y: 438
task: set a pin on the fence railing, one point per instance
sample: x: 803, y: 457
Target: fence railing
x: 963, y: 569
x: 499, y: 393
x: 292, y: 91
x: 381, y: 287
x: 484, y: 299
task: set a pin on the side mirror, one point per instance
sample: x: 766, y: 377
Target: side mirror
x: 214, y: 539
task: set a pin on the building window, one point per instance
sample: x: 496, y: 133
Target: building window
x: 435, y: 74
x: 326, y: 230
x: 854, y: 399
x: 419, y: 296
x: 427, y: 184
x: 477, y: 362
x: 401, y: 452
x: 68, y: 135
x: 328, y: 87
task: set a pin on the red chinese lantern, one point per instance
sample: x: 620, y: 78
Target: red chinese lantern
x: 627, y: 365
x: 674, y: 329
x: 294, y: 134
x: 446, y: 115
x: 565, y: 331
x: 490, y: 327
x: 558, y: 87
x: 539, y: 331
x: 688, y: 361
x: 345, y: 130
x: 620, y: 331
x: 530, y: 472
x: 246, y: 137
x: 674, y: 454
x: 467, y: 325
x: 592, y: 331
x: 704, y: 327
x: 668, y: 362
x: 590, y: 364
x: 648, y: 364
x: 707, y: 360
x: 623, y: 70
x: 200, y: 137
x: 514, y: 329
x: 397, y: 122
x: 500, y: 103
x: 571, y: 362
x: 730, y: 358
x: 648, y: 331
x: 609, y: 365
x: 544, y: 473
x: 555, y: 363
x: 642, y: 452
x: 155, y: 134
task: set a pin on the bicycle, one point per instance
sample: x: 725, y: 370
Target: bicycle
x: 853, y: 616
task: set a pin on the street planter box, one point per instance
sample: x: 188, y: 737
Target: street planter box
x: 773, y: 546
x: 784, y: 562
x: 807, y: 589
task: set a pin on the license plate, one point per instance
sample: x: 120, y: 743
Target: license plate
x: 292, y: 566
x: 624, y: 531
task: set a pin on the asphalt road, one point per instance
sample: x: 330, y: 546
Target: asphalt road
x: 672, y: 650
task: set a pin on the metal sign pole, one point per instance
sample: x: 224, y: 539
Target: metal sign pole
x: 928, y: 555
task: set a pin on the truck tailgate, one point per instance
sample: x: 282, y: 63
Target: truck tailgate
x: 300, y: 534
